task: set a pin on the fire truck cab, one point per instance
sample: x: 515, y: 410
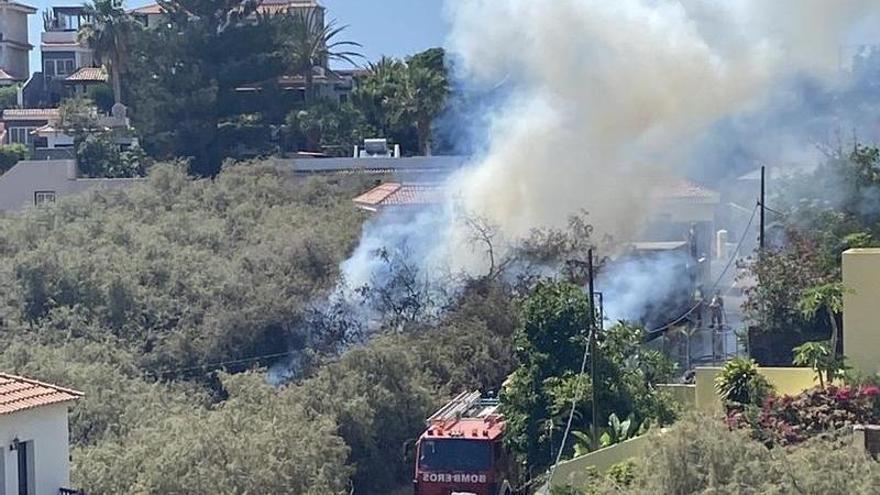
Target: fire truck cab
x: 461, y: 451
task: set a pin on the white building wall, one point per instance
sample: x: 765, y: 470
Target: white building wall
x: 47, y: 428
x: 13, y: 25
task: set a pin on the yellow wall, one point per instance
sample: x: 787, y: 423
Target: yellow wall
x: 861, y: 309
x: 785, y: 381
x: 700, y: 396
x: 685, y: 395
x: 576, y: 471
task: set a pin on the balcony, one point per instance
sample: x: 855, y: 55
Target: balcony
x: 59, y: 37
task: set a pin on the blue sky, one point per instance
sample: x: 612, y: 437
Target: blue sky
x: 385, y: 27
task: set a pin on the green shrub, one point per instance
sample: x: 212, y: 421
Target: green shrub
x: 740, y: 383
x: 8, y: 97
x: 622, y: 473
x: 818, y: 355
x: 10, y: 154
x: 102, y: 95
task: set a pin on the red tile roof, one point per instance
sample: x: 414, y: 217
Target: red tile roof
x: 4, y: 76
x: 153, y: 8
x: 18, y: 393
x: 396, y: 194
x: 88, y: 74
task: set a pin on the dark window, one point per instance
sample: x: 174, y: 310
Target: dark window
x: 455, y: 455
x: 20, y: 135
x: 50, y: 67
x: 70, y: 66
x: 44, y: 197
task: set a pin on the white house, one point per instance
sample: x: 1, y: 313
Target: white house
x: 14, y: 44
x: 34, y: 437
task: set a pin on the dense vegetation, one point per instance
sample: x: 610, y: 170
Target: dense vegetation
x: 815, y: 217
x: 550, y: 346
x: 156, y: 302
x: 700, y: 455
x: 209, y: 84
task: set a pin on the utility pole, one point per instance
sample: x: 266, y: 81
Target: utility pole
x: 761, y: 204
x: 594, y: 428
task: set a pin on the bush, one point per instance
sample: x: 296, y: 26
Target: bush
x: 740, y: 383
x: 701, y: 455
x: 790, y: 420
x: 10, y: 154
x: 8, y: 97
x: 102, y: 95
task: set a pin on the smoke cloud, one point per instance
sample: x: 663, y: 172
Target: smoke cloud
x: 604, y: 100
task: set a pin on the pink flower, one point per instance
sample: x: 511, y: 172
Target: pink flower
x: 871, y: 390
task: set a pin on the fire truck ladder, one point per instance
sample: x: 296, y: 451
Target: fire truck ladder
x: 465, y: 404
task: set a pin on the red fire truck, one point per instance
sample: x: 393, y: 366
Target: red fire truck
x: 460, y: 452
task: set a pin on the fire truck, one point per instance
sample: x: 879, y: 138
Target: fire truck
x: 461, y: 451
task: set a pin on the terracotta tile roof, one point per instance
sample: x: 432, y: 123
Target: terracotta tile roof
x: 153, y: 8
x: 97, y: 74
x: 4, y: 76
x: 18, y: 393
x: 31, y: 114
x: 396, y: 194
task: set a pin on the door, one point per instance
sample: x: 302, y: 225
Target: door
x: 23, y: 469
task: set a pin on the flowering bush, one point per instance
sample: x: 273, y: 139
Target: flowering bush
x: 788, y: 420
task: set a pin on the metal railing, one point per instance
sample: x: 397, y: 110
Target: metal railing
x: 70, y: 491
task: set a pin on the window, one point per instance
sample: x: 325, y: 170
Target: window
x: 455, y: 455
x: 21, y: 135
x: 44, y: 197
x: 59, y: 67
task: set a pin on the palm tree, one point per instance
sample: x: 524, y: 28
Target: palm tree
x: 312, y: 43
x: 375, y: 95
x: 421, y: 99
x: 108, y: 34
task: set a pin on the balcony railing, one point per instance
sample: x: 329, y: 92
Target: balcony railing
x: 70, y: 491
x: 59, y: 36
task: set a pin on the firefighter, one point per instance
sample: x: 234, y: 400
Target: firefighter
x: 716, y: 309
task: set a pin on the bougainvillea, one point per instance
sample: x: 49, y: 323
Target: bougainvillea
x: 787, y: 420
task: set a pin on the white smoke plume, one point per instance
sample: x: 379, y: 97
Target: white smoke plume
x: 612, y: 91
x: 606, y: 98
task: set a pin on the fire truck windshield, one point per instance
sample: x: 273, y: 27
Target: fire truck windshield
x: 455, y: 455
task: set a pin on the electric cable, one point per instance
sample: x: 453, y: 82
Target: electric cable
x: 222, y: 363
x: 717, y: 281
x: 574, y: 402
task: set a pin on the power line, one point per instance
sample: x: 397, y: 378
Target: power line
x: 574, y: 402
x: 223, y: 363
x: 589, y: 350
x: 717, y: 282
